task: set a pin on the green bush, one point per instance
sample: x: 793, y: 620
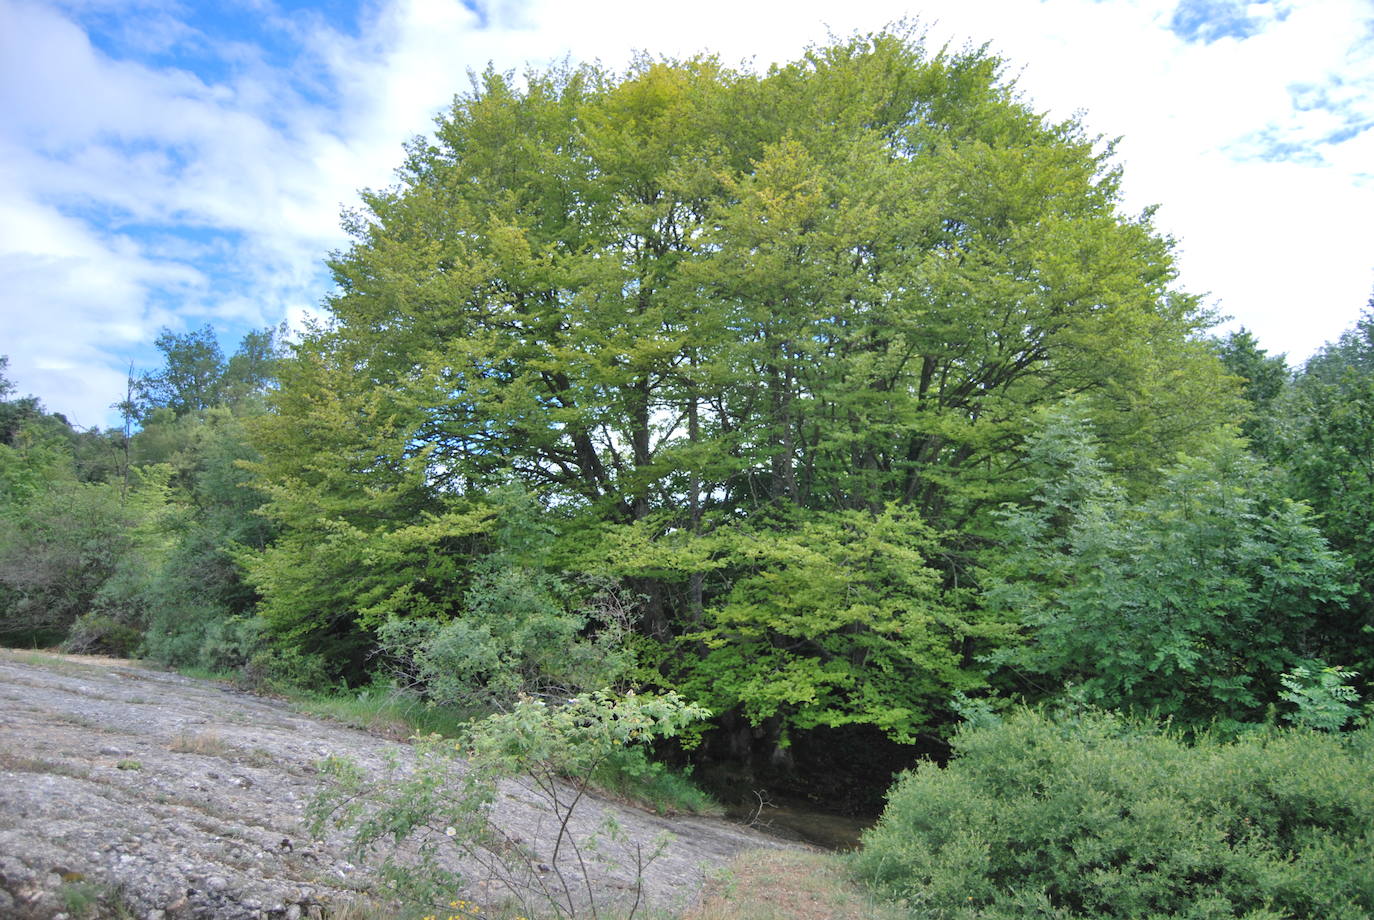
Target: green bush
x: 1323, y: 698
x: 520, y: 632
x: 99, y: 634
x: 276, y: 669
x: 1096, y: 816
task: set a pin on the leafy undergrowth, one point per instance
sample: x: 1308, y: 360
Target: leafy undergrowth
x: 788, y: 885
x: 646, y: 784
x: 630, y: 779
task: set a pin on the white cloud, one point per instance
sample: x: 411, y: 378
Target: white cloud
x: 106, y: 161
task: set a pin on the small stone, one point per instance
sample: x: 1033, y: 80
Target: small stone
x: 216, y: 883
x: 293, y: 912
x: 156, y: 915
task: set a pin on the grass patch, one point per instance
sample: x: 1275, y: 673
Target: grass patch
x: 654, y: 787
x: 79, y: 898
x: 219, y: 677
x: 207, y: 744
x: 20, y: 763
x: 383, y: 710
x: 789, y: 885
x: 42, y: 658
x: 80, y: 721
x: 84, y: 900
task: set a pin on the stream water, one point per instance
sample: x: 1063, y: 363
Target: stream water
x: 800, y: 821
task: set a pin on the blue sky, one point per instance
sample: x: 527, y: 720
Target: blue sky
x: 170, y: 163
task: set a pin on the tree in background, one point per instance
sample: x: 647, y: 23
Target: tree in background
x: 1190, y: 604
x: 1266, y: 378
x: 191, y: 376
x: 196, y: 606
x: 119, y: 541
x: 64, y: 531
x: 1329, y: 453
x: 195, y: 375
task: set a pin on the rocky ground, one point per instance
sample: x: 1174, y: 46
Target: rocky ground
x: 131, y: 792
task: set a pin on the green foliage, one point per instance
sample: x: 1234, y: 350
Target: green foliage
x: 189, y: 379
x: 362, y: 536
x: 102, y: 634
x: 1323, y: 699
x: 1266, y: 378
x: 515, y: 636
x: 198, y: 605
x: 62, y: 550
x: 1329, y: 440
x: 82, y: 899
x: 383, y: 708
x: 120, y: 542
x: 22, y: 419
x: 1095, y: 816
x: 283, y: 669
x: 1188, y: 603
x: 517, y: 630
x: 195, y: 376
x: 446, y: 804
x: 631, y: 775
x: 831, y: 619
x: 66, y: 540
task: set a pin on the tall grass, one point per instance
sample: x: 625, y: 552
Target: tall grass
x: 385, y: 710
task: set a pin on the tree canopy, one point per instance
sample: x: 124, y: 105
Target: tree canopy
x: 725, y: 325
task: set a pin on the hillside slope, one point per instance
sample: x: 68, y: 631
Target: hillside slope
x: 161, y: 797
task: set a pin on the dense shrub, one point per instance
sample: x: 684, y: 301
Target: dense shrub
x: 96, y: 633
x: 1095, y: 816
x: 519, y: 632
x: 56, y: 552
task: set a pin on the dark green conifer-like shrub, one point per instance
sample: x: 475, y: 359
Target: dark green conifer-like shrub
x: 1094, y: 816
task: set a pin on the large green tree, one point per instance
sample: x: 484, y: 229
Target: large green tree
x: 1328, y: 449
x: 713, y: 318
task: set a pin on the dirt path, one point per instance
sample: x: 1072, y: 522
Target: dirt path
x: 179, y: 798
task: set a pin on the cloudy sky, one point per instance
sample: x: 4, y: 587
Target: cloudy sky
x: 169, y: 164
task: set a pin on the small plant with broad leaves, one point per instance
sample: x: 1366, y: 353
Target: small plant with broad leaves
x: 1324, y: 698
x: 443, y: 805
